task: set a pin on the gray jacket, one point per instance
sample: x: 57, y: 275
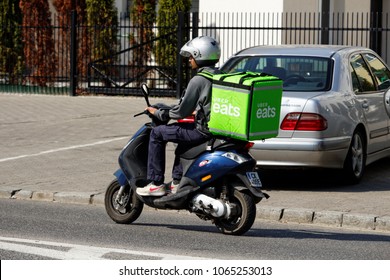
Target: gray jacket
x: 197, y: 97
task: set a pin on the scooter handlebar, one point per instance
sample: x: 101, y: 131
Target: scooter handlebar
x: 139, y: 114
x: 157, y: 106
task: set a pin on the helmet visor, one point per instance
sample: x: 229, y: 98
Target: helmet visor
x: 188, y: 50
x: 185, y: 53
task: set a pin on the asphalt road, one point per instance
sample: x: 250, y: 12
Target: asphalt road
x: 65, y: 149
x: 62, y: 231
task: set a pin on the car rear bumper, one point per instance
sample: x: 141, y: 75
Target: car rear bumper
x: 301, y: 152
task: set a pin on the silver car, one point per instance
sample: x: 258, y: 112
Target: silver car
x: 335, y: 108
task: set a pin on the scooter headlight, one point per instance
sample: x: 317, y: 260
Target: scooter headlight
x: 235, y: 157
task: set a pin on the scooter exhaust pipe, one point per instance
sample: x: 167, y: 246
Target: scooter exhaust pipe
x: 211, y: 206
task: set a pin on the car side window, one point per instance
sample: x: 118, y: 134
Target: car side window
x: 363, y: 81
x: 355, y: 81
x: 379, y: 70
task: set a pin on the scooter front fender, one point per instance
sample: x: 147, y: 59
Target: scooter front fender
x: 121, y: 177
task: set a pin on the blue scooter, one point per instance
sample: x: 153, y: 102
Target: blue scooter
x: 219, y: 181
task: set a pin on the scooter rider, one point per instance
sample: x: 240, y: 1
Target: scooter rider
x: 203, y: 53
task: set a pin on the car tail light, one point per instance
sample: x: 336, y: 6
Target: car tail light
x: 304, y: 121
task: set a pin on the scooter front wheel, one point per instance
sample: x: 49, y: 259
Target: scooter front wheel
x: 243, y: 217
x: 125, y: 208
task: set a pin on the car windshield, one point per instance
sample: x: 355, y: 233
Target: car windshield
x: 298, y: 73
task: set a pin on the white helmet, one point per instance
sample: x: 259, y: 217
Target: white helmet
x: 205, y: 50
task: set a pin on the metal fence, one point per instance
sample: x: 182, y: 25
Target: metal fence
x: 79, y: 71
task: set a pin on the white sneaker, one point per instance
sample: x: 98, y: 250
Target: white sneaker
x: 173, y: 187
x: 152, y: 190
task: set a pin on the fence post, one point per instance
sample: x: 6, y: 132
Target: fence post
x: 195, y: 24
x: 325, y: 14
x: 73, y: 53
x: 375, y: 32
x: 180, y: 35
x: 195, y: 32
x: 179, y: 60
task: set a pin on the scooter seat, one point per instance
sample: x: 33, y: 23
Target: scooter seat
x: 190, y: 152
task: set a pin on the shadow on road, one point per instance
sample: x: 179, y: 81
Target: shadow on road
x: 376, y: 178
x: 280, y: 233
x: 313, y: 234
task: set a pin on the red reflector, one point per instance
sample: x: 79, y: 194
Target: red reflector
x: 189, y: 119
x: 304, y: 121
x: 249, y: 145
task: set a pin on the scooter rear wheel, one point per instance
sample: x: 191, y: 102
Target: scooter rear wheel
x: 243, y: 218
x: 125, y: 209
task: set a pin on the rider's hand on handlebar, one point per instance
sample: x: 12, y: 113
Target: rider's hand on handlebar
x: 151, y: 110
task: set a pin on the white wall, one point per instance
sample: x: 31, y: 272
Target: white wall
x: 386, y: 6
x: 121, y: 5
x: 240, y: 6
x: 285, y: 5
x: 351, y: 6
x: 236, y: 12
x: 302, y: 6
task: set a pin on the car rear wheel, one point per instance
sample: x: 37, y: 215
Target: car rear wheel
x: 355, y: 161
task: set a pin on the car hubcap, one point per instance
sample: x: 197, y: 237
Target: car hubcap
x: 357, y: 155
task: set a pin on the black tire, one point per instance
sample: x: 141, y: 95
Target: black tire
x: 244, y: 218
x: 126, y: 212
x: 355, y: 162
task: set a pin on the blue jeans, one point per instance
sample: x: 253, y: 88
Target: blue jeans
x: 180, y: 133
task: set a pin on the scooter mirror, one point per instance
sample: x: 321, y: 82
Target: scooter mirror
x: 145, y: 92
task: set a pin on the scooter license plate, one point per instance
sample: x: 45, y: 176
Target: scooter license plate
x: 254, y: 179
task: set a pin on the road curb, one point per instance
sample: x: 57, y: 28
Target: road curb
x: 346, y: 220
x: 368, y: 222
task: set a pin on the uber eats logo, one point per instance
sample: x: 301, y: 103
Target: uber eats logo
x: 265, y: 111
x: 223, y: 106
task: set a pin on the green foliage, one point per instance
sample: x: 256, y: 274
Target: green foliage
x: 175, y: 6
x: 64, y: 8
x: 143, y: 16
x: 39, y: 53
x: 166, y: 51
x: 143, y: 12
x: 11, y: 46
x: 103, y: 22
x: 167, y: 21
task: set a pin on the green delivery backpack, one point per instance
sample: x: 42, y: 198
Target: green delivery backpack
x: 245, y: 105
